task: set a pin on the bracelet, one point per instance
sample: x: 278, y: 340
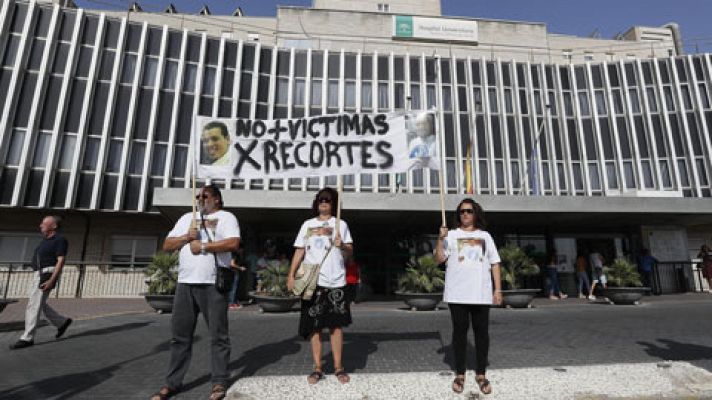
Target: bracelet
x: 202, y: 248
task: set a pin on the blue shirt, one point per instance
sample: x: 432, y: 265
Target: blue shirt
x: 647, y: 262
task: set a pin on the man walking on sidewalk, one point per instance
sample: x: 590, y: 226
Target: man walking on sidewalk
x: 47, y: 263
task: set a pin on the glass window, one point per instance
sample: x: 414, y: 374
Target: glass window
x: 316, y: 93
x: 350, y: 94
x: 15, y: 151
x: 128, y: 72
x: 383, y: 96
x: 91, y: 153
x: 41, y: 150
x: 366, y: 95
x: 333, y: 94
x: 299, y: 91
x: 136, y: 162
x: 113, y: 162
x: 149, y: 72
x: 66, y: 154
x: 191, y: 72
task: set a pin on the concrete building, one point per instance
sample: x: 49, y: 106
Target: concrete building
x: 96, y: 118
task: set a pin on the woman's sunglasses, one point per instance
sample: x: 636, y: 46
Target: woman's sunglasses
x: 467, y: 211
x: 323, y: 200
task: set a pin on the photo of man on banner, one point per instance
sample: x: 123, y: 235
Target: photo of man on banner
x: 422, y: 142
x: 215, y: 144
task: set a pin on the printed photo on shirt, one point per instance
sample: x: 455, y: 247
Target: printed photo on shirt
x: 319, y: 237
x: 211, y: 225
x: 470, y: 250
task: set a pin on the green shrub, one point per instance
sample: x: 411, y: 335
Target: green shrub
x: 623, y: 273
x: 422, y: 275
x: 162, y: 274
x: 515, y: 265
x: 274, y: 278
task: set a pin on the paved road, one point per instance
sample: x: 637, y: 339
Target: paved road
x: 126, y: 356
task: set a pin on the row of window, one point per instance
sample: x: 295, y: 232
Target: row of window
x: 114, y: 122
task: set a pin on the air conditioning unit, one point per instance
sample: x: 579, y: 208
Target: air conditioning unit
x: 254, y: 37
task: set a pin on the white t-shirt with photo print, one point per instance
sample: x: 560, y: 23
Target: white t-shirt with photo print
x: 200, y: 268
x: 316, y: 237
x: 470, y: 255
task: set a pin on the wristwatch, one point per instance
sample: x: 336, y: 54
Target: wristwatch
x: 202, y: 248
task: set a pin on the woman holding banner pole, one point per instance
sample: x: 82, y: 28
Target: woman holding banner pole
x: 324, y: 240
x: 472, y: 268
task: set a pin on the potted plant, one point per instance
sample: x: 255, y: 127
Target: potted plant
x: 624, y: 285
x: 272, y: 295
x: 515, y: 266
x: 421, y: 287
x: 162, y: 281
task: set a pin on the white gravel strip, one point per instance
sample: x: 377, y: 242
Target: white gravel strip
x: 643, y: 380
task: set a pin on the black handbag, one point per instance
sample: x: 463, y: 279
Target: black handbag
x: 223, y: 277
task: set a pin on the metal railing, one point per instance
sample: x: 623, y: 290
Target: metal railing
x: 78, y: 279
x: 677, y: 277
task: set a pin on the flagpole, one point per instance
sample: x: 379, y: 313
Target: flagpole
x: 339, y: 191
x: 193, y: 164
x: 440, y: 138
x: 534, y: 146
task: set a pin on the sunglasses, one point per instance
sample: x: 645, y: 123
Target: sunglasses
x: 323, y: 200
x: 205, y: 196
x: 466, y: 211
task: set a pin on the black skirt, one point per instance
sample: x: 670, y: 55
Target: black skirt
x: 327, y: 308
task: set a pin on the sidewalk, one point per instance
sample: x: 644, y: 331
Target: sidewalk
x: 617, y: 381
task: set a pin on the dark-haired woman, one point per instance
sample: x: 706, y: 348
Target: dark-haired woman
x: 472, y: 268
x: 318, y: 243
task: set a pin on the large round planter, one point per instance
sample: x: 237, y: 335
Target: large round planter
x: 274, y: 303
x: 160, y: 302
x: 421, y: 301
x: 624, y: 295
x: 518, y: 298
x: 5, y: 302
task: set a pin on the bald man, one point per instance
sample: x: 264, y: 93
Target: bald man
x: 47, y: 262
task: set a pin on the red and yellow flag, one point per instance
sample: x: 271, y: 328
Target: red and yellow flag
x: 469, y: 182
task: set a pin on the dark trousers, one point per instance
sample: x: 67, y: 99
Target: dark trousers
x: 462, y: 315
x: 190, y: 300
x: 647, y: 278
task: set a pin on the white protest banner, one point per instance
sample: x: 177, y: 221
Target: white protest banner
x: 315, y: 146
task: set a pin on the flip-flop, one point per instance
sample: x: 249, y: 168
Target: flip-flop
x: 164, y: 393
x: 458, y: 385
x: 315, y: 377
x: 342, y: 376
x: 218, y: 392
x: 484, y: 383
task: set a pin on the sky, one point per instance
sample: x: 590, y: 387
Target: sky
x: 572, y: 17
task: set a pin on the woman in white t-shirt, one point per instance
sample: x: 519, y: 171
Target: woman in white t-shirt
x: 472, y: 268
x: 317, y: 243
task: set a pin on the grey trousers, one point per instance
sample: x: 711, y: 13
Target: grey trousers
x: 189, y: 300
x: 36, y: 305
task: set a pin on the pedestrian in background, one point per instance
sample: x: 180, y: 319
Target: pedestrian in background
x: 596, y: 260
x: 646, y: 262
x: 47, y: 263
x: 582, y: 274
x: 472, y: 269
x: 706, y: 255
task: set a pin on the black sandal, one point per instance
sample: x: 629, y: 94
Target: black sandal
x: 315, y: 376
x: 342, y: 376
x: 458, y: 382
x: 164, y: 393
x: 484, y: 383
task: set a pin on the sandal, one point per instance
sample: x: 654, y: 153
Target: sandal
x: 315, y: 377
x: 484, y: 385
x: 218, y: 392
x: 164, y: 393
x: 458, y: 384
x: 342, y: 376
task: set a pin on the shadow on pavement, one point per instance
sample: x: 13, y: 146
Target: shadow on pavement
x: 71, y: 385
x: 676, y: 351
x: 98, y: 332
